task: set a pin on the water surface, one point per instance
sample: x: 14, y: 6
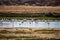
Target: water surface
x: 30, y: 24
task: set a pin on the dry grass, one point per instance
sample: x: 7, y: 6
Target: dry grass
x: 29, y: 9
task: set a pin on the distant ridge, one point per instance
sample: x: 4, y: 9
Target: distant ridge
x: 31, y: 2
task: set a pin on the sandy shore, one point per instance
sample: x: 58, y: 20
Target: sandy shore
x: 37, y: 34
x: 29, y: 33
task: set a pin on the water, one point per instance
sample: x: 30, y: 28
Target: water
x: 30, y: 24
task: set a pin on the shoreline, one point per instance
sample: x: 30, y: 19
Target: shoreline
x: 30, y: 20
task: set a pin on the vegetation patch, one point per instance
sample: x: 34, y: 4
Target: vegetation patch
x: 5, y: 31
x: 41, y: 16
x: 26, y: 38
x: 16, y: 32
x: 15, y: 37
x: 47, y: 31
x: 22, y: 32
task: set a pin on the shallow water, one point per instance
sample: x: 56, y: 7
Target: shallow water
x: 30, y: 24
